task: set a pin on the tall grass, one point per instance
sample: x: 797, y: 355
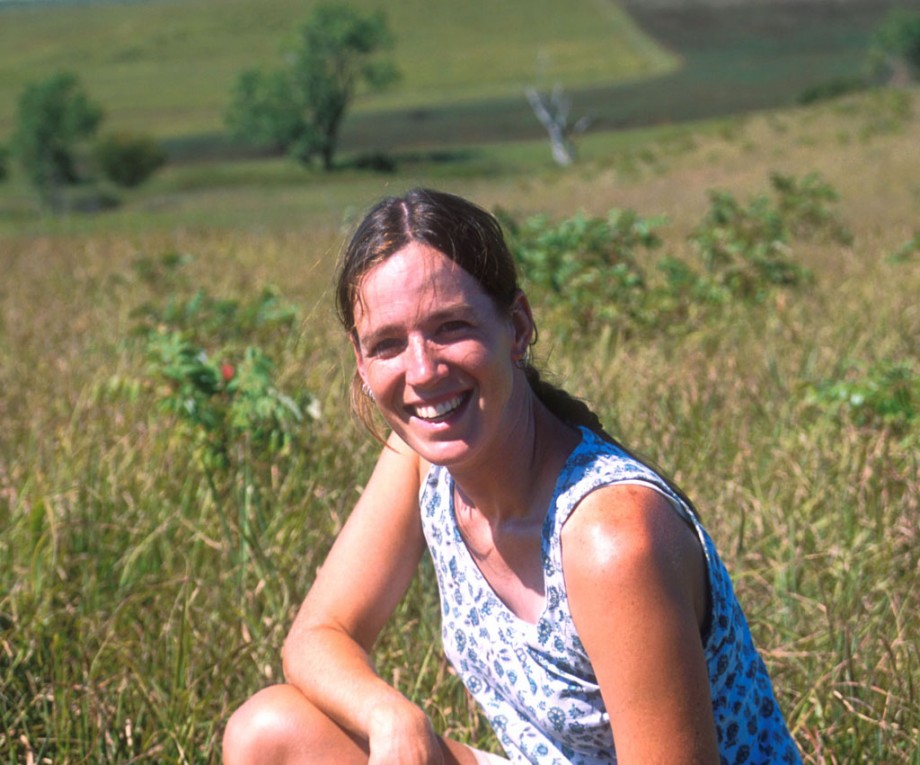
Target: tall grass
x: 142, y: 596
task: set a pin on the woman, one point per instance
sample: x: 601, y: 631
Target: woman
x: 582, y: 602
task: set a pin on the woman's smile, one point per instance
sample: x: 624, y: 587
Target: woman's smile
x: 439, y: 411
x: 436, y: 353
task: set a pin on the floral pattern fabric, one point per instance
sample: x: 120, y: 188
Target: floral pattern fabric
x: 535, y: 682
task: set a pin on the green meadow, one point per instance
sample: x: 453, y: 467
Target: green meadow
x: 159, y: 526
x: 168, y: 66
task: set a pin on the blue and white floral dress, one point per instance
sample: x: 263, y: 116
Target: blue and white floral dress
x: 535, y: 682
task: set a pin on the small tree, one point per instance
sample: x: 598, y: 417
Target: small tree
x: 54, y: 117
x: 895, y: 49
x: 300, y: 108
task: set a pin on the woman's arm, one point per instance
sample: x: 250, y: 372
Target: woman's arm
x: 636, y: 580
x: 367, y: 572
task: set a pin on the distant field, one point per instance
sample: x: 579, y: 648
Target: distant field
x: 735, y: 57
x: 168, y: 67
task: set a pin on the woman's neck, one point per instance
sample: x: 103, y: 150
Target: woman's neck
x: 516, y: 482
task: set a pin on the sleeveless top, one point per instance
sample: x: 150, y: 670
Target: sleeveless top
x: 535, y: 682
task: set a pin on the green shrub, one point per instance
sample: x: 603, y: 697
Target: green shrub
x: 584, y: 272
x: 128, y: 159
x: 907, y: 251
x: 805, y: 207
x: 588, y: 273
x: 4, y: 161
x: 895, y: 48
x: 227, y: 402
x: 883, y: 394
x: 211, y: 360
x: 831, y: 89
x: 746, y: 249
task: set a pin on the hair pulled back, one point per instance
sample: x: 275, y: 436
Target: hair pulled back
x: 472, y: 238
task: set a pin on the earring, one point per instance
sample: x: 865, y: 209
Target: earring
x: 523, y: 361
x: 366, y: 390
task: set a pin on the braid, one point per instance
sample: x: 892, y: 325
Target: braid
x: 574, y: 411
x: 563, y: 404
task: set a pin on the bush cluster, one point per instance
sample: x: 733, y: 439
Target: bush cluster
x: 589, y: 274
x: 128, y: 159
x: 216, y: 375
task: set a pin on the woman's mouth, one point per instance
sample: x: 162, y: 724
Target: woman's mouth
x: 436, y: 412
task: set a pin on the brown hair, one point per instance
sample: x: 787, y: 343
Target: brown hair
x: 472, y: 238
x: 469, y: 236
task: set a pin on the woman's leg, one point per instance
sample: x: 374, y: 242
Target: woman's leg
x: 281, y: 727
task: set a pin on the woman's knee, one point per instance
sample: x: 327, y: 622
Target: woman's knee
x: 279, y: 725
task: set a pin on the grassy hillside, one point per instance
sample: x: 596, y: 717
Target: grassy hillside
x: 145, y: 585
x: 167, y: 66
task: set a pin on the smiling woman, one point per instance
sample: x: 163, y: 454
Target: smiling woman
x: 583, y: 604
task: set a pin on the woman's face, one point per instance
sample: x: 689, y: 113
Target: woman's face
x: 438, y: 356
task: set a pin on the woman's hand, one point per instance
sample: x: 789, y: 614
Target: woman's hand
x: 401, y: 734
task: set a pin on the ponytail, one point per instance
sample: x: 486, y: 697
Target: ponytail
x: 576, y: 412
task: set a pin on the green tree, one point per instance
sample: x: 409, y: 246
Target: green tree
x: 895, y: 48
x: 54, y: 116
x: 300, y: 108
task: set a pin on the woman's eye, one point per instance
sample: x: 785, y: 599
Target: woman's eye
x: 385, y: 348
x: 457, y: 325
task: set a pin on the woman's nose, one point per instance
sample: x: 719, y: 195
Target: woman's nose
x: 423, y: 364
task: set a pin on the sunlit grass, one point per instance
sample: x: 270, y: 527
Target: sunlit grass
x: 140, y: 600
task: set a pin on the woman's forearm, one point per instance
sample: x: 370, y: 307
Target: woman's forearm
x: 337, y: 675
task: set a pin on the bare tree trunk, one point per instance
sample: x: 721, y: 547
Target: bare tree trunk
x: 553, y: 113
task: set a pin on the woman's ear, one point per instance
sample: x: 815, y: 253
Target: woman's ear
x: 522, y: 325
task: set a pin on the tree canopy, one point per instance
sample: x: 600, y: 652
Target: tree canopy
x: 299, y: 108
x: 896, y: 45
x: 54, y: 116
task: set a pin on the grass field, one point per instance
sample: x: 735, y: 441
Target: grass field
x: 145, y: 594
x: 168, y: 67
x: 147, y: 578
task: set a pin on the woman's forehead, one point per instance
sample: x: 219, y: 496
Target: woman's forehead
x: 415, y: 279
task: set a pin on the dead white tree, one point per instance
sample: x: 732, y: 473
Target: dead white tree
x: 554, y: 113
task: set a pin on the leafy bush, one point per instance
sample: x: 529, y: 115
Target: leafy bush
x: 212, y: 358
x: 884, y: 394
x: 4, y: 159
x: 206, y: 319
x: 831, y: 89
x: 128, y: 159
x: 227, y: 403
x: 746, y: 248
x: 584, y: 271
x: 591, y: 273
x: 907, y: 251
x: 805, y: 207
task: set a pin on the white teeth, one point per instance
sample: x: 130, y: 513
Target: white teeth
x: 438, y: 410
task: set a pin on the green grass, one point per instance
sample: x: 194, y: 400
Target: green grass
x: 143, y: 597
x: 168, y: 66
